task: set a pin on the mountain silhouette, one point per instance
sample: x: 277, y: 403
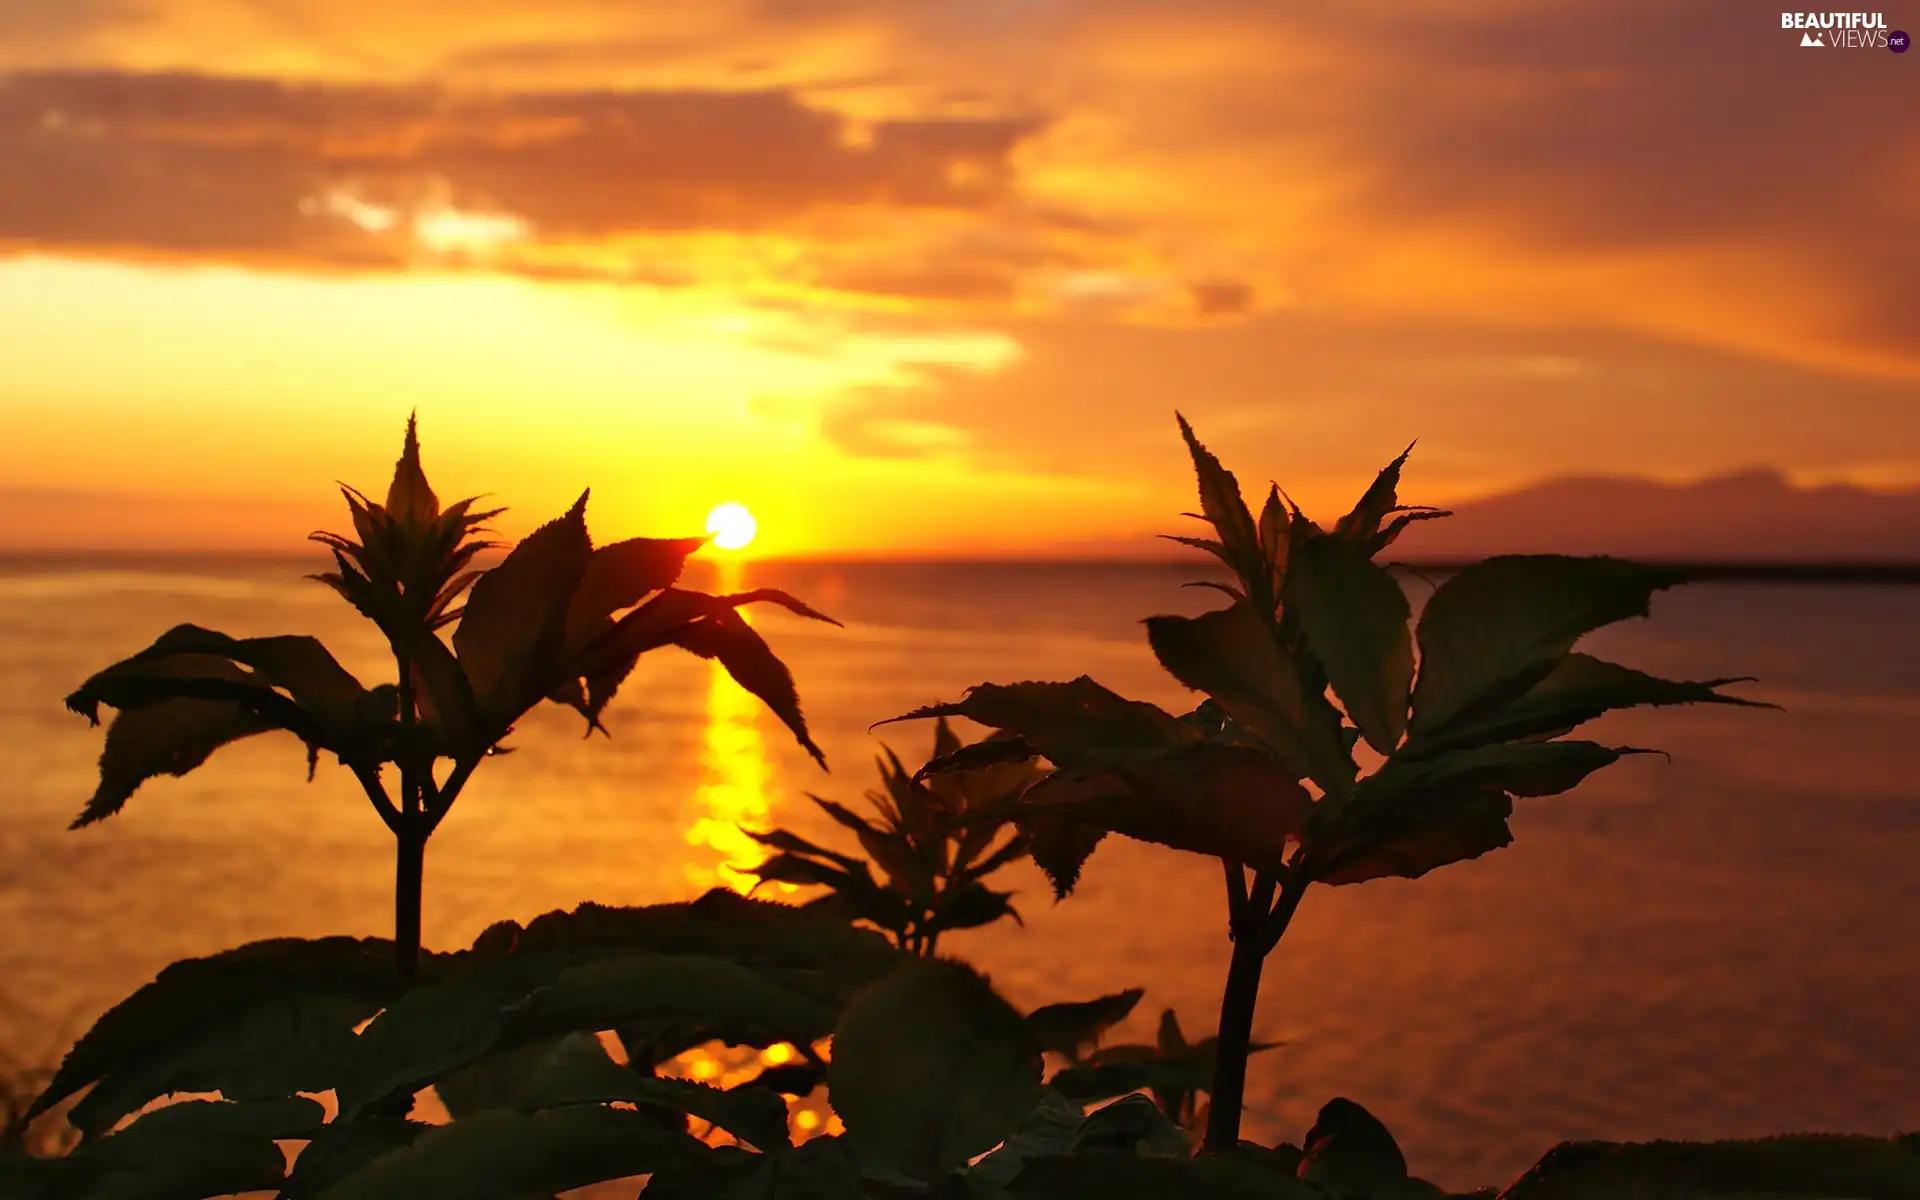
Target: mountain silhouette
x: 1751, y: 516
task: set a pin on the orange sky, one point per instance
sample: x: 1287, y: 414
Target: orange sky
x: 917, y: 276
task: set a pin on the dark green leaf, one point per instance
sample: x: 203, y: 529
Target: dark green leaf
x: 169, y: 738
x: 1132, y: 1123
x: 820, y: 1169
x: 409, y: 499
x: 1578, y: 689
x: 1355, y: 618
x: 502, y: 1154
x: 1381, y: 498
x: 789, y: 1079
x: 1070, y: 1028
x: 1500, y: 626
x: 1350, y: 1154
x: 1060, y: 847
x: 192, y: 1150
x: 619, y: 576
x: 265, y: 1019
x: 343, y: 1147
x: 727, y: 638
x: 931, y: 1068
x: 971, y: 906
x: 1048, y: 1130
x: 511, y: 642
x: 1075, y: 724
x: 1231, y: 802
x: 577, y: 1070
x: 1447, y: 826
x: 1234, y: 657
x: 1223, y: 507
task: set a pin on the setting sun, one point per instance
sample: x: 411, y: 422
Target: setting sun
x: 732, y: 526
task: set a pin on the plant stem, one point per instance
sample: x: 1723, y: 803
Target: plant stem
x: 408, y: 870
x: 1251, y: 943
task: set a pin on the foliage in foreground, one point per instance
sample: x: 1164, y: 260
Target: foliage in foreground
x: 557, y: 619
x: 543, y: 1042
x: 934, y: 845
x: 1262, y: 775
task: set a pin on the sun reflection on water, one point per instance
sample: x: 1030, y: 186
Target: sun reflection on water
x: 735, y: 777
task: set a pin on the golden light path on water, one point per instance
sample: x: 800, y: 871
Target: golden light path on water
x: 736, y: 783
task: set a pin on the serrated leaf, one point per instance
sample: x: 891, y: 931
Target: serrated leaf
x: 1355, y: 619
x: 931, y: 1068
x: 1234, y: 656
x: 264, y: 1019
x: 1060, y: 848
x: 409, y: 498
x: 340, y: 1148
x: 1449, y: 827
x: 1380, y: 498
x: 727, y: 638
x: 1231, y: 802
x: 1499, y: 627
x: 502, y: 1154
x: 169, y: 738
x: 1577, y: 689
x: 577, y: 1070
x: 1047, y: 1130
x: 511, y: 642
x: 1077, y: 724
x: 1069, y: 1028
x: 619, y: 576
x: 1132, y: 1123
x: 192, y: 1150
x: 1223, y: 506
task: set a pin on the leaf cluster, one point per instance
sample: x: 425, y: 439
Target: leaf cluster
x: 935, y: 842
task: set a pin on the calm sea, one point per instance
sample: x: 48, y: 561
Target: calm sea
x: 1723, y: 944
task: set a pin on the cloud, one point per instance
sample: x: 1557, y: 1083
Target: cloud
x: 361, y: 175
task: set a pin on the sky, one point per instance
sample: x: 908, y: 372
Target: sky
x: 931, y: 277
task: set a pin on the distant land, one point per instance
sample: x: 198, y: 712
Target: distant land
x: 1752, y: 517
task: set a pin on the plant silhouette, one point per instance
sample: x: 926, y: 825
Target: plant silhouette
x: 934, y: 844
x: 1313, y: 654
x: 557, y: 619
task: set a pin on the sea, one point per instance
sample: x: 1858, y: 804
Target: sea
x: 1720, y: 941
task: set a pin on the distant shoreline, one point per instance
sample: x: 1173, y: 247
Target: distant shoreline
x: 1706, y: 571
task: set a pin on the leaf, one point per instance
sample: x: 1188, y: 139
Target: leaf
x: 931, y: 1068
x: 1135, y: 1124
x: 1223, y: 507
x: 727, y: 638
x: 343, y: 1147
x: 1386, y: 537
x: 788, y: 1079
x: 619, y: 576
x: 1499, y: 627
x: 977, y: 756
x: 1047, y: 1130
x: 971, y: 906
x: 502, y: 1154
x: 1578, y: 689
x: 1068, y: 1028
x: 1233, y: 655
x: 191, y: 1150
x: 1231, y: 802
x: 169, y: 738
x: 1109, y: 1175
x: 434, y: 1031
x: 1355, y: 619
x: 1075, y: 724
x: 1796, y: 1165
x: 1275, y: 541
x: 409, y: 498
x: 269, y: 1018
x: 1447, y: 827
x: 1380, y: 498
x: 1350, y: 1154
x: 511, y: 641
x: 576, y: 1070
x: 822, y: 1168
x: 1060, y: 848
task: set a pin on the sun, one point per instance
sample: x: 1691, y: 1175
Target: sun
x: 732, y: 526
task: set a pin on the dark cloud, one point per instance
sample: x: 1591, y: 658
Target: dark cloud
x: 198, y: 164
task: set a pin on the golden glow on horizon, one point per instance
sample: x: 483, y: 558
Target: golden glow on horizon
x: 732, y: 526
